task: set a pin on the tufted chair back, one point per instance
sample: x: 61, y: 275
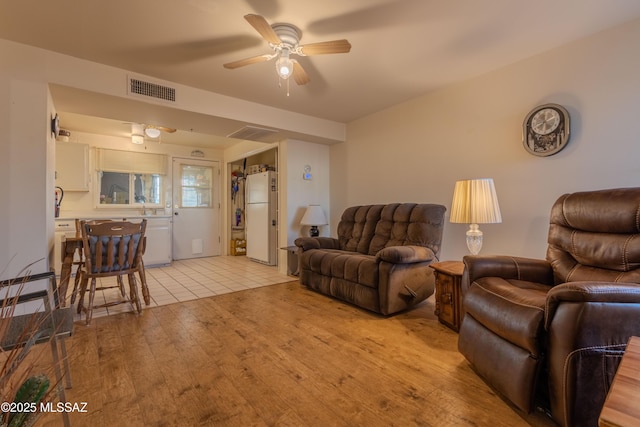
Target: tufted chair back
x: 357, y: 227
x: 368, y: 229
x: 595, y: 236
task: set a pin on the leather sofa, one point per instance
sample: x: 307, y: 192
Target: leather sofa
x: 551, y: 332
x: 380, y: 259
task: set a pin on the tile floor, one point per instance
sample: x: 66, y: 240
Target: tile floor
x: 190, y: 279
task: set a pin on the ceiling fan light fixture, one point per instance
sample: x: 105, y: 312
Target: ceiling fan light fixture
x: 284, y: 65
x: 137, y: 139
x: 152, y: 132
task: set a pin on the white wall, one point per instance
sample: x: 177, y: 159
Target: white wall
x: 27, y: 183
x: 415, y: 151
x: 302, y: 192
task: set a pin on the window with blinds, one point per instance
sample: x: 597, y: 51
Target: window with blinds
x: 129, y: 178
x: 131, y: 162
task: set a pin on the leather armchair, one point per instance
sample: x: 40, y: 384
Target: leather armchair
x: 552, y: 332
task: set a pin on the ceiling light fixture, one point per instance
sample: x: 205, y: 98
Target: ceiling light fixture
x: 284, y: 65
x: 152, y: 132
x: 137, y: 133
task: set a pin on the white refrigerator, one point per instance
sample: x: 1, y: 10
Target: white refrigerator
x: 261, y: 198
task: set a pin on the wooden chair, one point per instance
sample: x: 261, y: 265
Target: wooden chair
x: 80, y: 260
x: 53, y: 324
x: 111, y: 249
x: 79, y: 263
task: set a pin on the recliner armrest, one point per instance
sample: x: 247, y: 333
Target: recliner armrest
x: 508, y: 267
x: 405, y: 254
x: 587, y: 292
x: 306, y: 243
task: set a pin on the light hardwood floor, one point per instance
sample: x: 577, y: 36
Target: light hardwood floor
x: 279, y: 355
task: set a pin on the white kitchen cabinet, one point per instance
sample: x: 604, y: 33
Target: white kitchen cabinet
x: 72, y: 166
x: 158, y: 249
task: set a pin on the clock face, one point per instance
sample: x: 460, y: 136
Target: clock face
x: 545, y: 121
x: 546, y: 130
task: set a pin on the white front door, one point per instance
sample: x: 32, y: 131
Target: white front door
x: 196, y: 208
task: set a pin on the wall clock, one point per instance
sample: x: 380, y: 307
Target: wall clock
x: 546, y: 130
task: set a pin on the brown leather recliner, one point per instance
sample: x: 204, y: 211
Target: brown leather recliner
x: 380, y: 259
x: 553, y: 331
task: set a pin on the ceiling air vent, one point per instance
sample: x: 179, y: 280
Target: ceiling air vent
x: 152, y: 90
x: 254, y: 133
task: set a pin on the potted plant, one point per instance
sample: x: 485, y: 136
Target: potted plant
x: 22, y: 387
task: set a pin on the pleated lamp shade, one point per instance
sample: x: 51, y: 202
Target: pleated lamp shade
x: 475, y: 202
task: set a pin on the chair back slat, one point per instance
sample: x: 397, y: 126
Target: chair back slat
x: 131, y: 251
x: 97, y: 260
x: 111, y: 254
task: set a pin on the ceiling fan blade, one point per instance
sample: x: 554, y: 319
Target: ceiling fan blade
x: 323, y: 48
x: 262, y: 26
x: 299, y: 74
x: 164, y: 129
x: 248, y: 61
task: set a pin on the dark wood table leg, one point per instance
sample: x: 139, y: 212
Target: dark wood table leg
x: 65, y: 272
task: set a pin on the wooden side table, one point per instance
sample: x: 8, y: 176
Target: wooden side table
x: 621, y: 407
x: 448, y: 293
x: 292, y: 260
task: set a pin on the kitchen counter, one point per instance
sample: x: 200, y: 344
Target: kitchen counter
x: 71, y: 216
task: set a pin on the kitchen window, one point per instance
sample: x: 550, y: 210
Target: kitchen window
x: 130, y: 178
x: 117, y: 188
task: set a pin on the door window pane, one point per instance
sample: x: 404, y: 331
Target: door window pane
x: 196, y: 182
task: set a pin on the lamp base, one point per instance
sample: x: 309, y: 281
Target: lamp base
x: 474, y: 239
x: 314, y: 232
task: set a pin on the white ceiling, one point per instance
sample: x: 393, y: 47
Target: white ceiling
x: 400, y: 49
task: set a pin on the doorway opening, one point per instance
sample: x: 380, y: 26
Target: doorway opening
x: 253, y: 231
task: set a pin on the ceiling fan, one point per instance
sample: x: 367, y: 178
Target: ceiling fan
x: 284, y: 40
x: 139, y: 131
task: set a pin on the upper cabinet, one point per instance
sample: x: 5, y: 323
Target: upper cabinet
x: 72, y: 166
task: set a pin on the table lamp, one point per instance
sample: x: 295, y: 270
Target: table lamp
x: 314, y: 216
x: 475, y: 202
